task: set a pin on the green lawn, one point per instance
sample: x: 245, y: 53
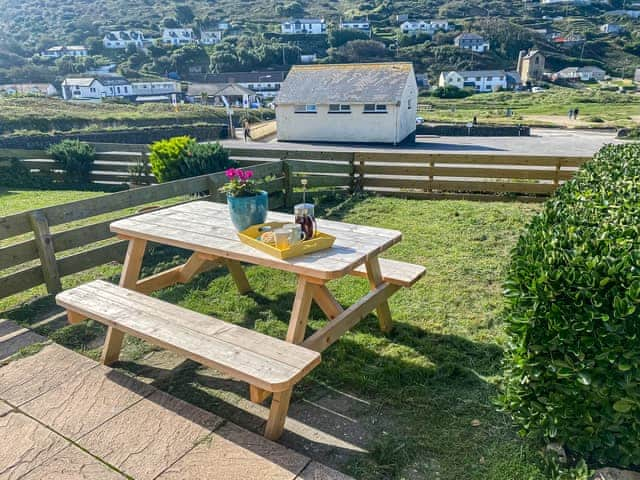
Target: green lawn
x: 15, y: 201
x: 597, y: 108
x: 429, y: 385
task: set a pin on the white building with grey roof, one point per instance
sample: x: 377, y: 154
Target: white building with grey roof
x: 478, y: 80
x: 354, y: 103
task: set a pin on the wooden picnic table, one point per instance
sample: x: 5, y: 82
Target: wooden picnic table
x: 205, y: 228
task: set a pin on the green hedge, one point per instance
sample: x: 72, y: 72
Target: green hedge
x: 183, y: 157
x: 573, y: 314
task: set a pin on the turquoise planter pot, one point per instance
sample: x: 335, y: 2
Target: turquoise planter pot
x: 247, y: 211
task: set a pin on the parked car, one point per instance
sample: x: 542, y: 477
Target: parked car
x: 537, y: 90
x: 419, y: 120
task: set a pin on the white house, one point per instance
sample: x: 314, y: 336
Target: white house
x: 360, y: 102
x: 60, y: 51
x: 39, y: 89
x: 313, y: 26
x: 93, y: 88
x: 154, y: 91
x: 472, y: 41
x: 424, y: 26
x: 479, y: 80
x: 265, y: 82
x: 611, y: 28
x: 584, y: 74
x: 355, y: 24
x: 121, y: 39
x: 210, y: 37
x: 177, y: 36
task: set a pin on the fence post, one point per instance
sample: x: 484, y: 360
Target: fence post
x: 288, y: 184
x: 432, y: 165
x: 556, y: 178
x: 44, y: 245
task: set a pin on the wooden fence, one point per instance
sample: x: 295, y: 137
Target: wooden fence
x: 45, y: 257
x: 391, y: 172
x: 41, y: 258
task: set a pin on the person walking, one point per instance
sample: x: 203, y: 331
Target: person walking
x: 475, y: 121
x: 571, y: 114
x: 575, y: 114
x: 246, y: 127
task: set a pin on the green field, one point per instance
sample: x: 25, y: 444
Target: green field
x: 597, y: 108
x: 429, y: 385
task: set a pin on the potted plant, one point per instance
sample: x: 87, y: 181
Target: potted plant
x: 248, y: 205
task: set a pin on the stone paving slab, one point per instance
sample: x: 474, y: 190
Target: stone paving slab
x: 29, y: 445
x: 147, y: 438
x: 30, y: 377
x: 13, y: 337
x: 4, y: 408
x: 73, y: 464
x: 232, y: 453
x: 86, y: 401
x: 317, y: 471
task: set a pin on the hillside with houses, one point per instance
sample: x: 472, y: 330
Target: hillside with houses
x: 46, y: 42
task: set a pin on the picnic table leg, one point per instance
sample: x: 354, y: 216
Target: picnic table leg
x: 128, y: 279
x: 375, y: 279
x: 326, y: 301
x: 235, y: 269
x: 295, y: 334
x: 277, y: 414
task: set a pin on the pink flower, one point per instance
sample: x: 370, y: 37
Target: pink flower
x: 248, y: 174
x: 230, y: 173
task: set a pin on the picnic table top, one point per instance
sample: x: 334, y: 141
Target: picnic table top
x: 206, y: 227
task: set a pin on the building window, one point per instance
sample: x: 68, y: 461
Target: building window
x: 339, y: 108
x: 375, y: 108
x: 305, y: 109
x: 409, y: 104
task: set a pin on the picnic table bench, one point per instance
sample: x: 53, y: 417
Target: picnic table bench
x: 270, y: 366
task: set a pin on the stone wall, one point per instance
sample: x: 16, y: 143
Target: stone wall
x: 131, y: 135
x: 477, y: 131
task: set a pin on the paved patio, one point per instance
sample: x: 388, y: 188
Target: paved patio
x: 68, y: 417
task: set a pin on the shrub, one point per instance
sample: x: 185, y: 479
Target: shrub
x: 75, y: 158
x: 183, y: 157
x: 572, y: 366
x: 451, y: 92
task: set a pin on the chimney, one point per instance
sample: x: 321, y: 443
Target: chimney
x: 520, y: 57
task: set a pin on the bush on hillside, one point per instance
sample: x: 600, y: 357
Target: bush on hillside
x: 183, y: 157
x: 451, y: 92
x: 572, y: 367
x: 75, y: 158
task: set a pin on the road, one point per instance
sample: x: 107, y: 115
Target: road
x: 543, y: 141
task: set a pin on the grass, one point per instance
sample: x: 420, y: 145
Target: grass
x: 540, y: 109
x: 16, y: 200
x: 430, y: 384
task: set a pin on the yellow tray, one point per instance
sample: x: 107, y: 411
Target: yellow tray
x: 251, y: 236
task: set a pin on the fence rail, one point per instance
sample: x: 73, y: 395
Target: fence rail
x: 49, y: 249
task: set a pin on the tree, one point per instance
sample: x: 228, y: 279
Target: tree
x: 188, y: 58
x: 337, y: 38
x: 359, y: 51
x: 184, y: 14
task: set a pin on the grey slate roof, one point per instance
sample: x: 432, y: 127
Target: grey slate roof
x: 346, y: 83
x: 226, y: 89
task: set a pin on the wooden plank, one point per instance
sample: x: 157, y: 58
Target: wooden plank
x: 526, y: 174
x: 477, y: 197
x: 470, y: 159
x: 80, y: 236
x: 469, y: 186
x: 277, y: 415
x: 331, y: 332
x: 247, y: 355
x: 326, y: 301
x: 305, y: 166
x: 19, y: 253
x: 81, y: 261
x: 322, y: 180
x: 22, y: 153
x: 399, y: 273
x: 240, y: 279
x: 44, y: 246
x: 300, y: 311
x: 17, y: 224
x: 285, y: 154
x: 374, y: 274
x: 159, y: 281
x: 21, y: 281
